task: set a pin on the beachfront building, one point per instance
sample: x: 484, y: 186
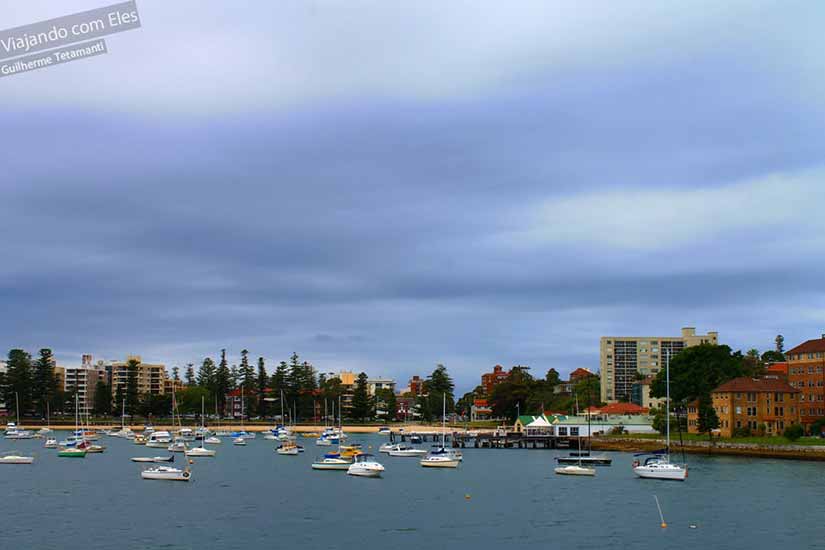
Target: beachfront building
x: 150, y: 377
x: 82, y: 381
x: 806, y: 373
x: 489, y: 380
x: 480, y: 410
x: 379, y: 383
x: 623, y: 358
x: 751, y: 403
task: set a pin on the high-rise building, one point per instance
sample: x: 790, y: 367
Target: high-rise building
x: 489, y: 380
x: 379, y: 383
x: 623, y: 359
x: 83, y: 380
x: 151, y: 378
x: 806, y: 373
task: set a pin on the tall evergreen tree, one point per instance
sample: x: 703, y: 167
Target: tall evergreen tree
x: 103, y: 399
x: 132, y: 390
x: 19, y: 378
x: 278, y: 383
x: 120, y: 395
x: 234, y: 377
x: 189, y: 377
x: 223, y: 382
x: 44, y: 384
x: 780, y: 343
x: 362, y: 407
x: 261, y: 387
x: 436, y: 386
x: 247, y: 374
x: 206, y: 374
x: 176, y: 374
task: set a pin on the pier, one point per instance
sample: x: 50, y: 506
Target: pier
x: 488, y: 440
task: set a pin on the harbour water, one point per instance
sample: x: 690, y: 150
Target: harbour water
x: 250, y: 497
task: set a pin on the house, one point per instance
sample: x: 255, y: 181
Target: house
x: 578, y: 375
x: 751, y: 403
x: 640, y: 394
x: 480, y: 410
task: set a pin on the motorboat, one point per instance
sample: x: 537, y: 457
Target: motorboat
x: 14, y: 458
x: 70, y: 441
x: 166, y: 472
x: 185, y: 434
x: 406, y: 450
x: 323, y: 442
x: 239, y: 441
x: 386, y: 447
x: 140, y: 440
x: 51, y: 443
x: 13, y: 432
x: 160, y: 439
x: 288, y: 449
x: 415, y: 439
x: 213, y: 440
x: 170, y: 458
x: 365, y: 465
x: 269, y: 436
x: 86, y: 435
x: 384, y: 430
x: 331, y: 462
x: 178, y: 446
x: 575, y: 470
x: 148, y: 429
x: 201, y: 452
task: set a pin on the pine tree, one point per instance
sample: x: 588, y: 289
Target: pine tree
x: 132, y: 390
x: 261, y: 387
x: 223, y: 383
x: 19, y: 378
x: 176, y: 374
x: 278, y: 383
x: 247, y: 374
x: 780, y: 343
x: 361, y: 403
x: 44, y: 385
x: 120, y: 395
x: 206, y: 374
x: 189, y: 377
x: 103, y: 399
x: 436, y: 385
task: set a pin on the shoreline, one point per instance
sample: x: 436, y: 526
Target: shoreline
x: 723, y: 448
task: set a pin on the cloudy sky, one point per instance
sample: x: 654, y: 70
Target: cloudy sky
x: 384, y: 186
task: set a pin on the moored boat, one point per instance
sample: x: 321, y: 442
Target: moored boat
x: 166, y: 473
x: 365, y: 465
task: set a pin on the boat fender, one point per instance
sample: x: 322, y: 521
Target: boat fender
x: 636, y: 463
x: 186, y: 474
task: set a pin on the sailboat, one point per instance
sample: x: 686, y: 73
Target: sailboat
x: 214, y: 439
x: 659, y: 466
x: 47, y: 429
x: 337, y: 460
x: 87, y: 436
x: 201, y: 451
x: 240, y: 437
x: 441, y: 458
x: 73, y: 451
x: 288, y: 447
x: 577, y: 469
x: 169, y: 473
x: 586, y: 457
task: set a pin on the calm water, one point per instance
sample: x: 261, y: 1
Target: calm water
x: 253, y: 498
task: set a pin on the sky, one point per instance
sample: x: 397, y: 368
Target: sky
x: 384, y: 186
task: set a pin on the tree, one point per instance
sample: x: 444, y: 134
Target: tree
x: 793, y: 432
x: 44, y: 383
x: 553, y: 377
x: 511, y: 396
x: 697, y: 370
x: 103, y: 399
x: 436, y: 386
x: 176, y: 374
x: 261, y: 387
x: 206, y: 374
x: 279, y: 379
x: 223, y: 383
x: 780, y: 344
x: 189, y: 377
x: 132, y: 390
x: 707, y: 421
x: 752, y: 364
x: 120, y: 395
x: 19, y: 377
x: 247, y: 374
x: 361, y: 402
x: 386, y: 401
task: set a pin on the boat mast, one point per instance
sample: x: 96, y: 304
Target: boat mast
x: 667, y: 406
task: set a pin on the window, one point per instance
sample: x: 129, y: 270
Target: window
x: 562, y: 430
x: 574, y: 431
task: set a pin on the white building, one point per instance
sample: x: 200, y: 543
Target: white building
x: 379, y: 383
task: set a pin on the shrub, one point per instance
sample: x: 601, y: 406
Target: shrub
x: 793, y: 432
x: 741, y: 432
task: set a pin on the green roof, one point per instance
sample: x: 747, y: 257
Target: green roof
x: 526, y: 419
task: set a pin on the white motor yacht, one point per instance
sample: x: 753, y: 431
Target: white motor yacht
x: 200, y: 452
x: 15, y: 458
x: 403, y: 449
x: 213, y: 440
x: 331, y: 463
x: 365, y: 465
x: 51, y: 443
x: 159, y: 440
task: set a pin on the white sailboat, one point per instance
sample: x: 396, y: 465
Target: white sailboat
x: 169, y: 473
x: 365, y: 465
x: 13, y: 430
x: 288, y: 447
x: 201, y: 451
x: 659, y: 466
x: 441, y: 458
x: 48, y: 428
x: 13, y: 457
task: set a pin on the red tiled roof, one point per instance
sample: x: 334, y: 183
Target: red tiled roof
x: 581, y: 372
x: 747, y: 384
x: 817, y: 344
x: 480, y: 403
x: 777, y: 368
x: 619, y: 408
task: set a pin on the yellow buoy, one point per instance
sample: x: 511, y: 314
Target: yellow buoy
x: 467, y: 497
x: 664, y: 525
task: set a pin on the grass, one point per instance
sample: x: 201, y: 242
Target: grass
x: 766, y: 440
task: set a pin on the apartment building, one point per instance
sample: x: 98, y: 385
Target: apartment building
x: 151, y: 378
x: 806, y: 373
x: 623, y: 359
x: 380, y: 383
x: 82, y: 381
x: 489, y: 380
x: 751, y: 403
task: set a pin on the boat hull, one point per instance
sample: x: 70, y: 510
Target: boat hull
x: 672, y: 474
x: 575, y: 471
x: 17, y: 460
